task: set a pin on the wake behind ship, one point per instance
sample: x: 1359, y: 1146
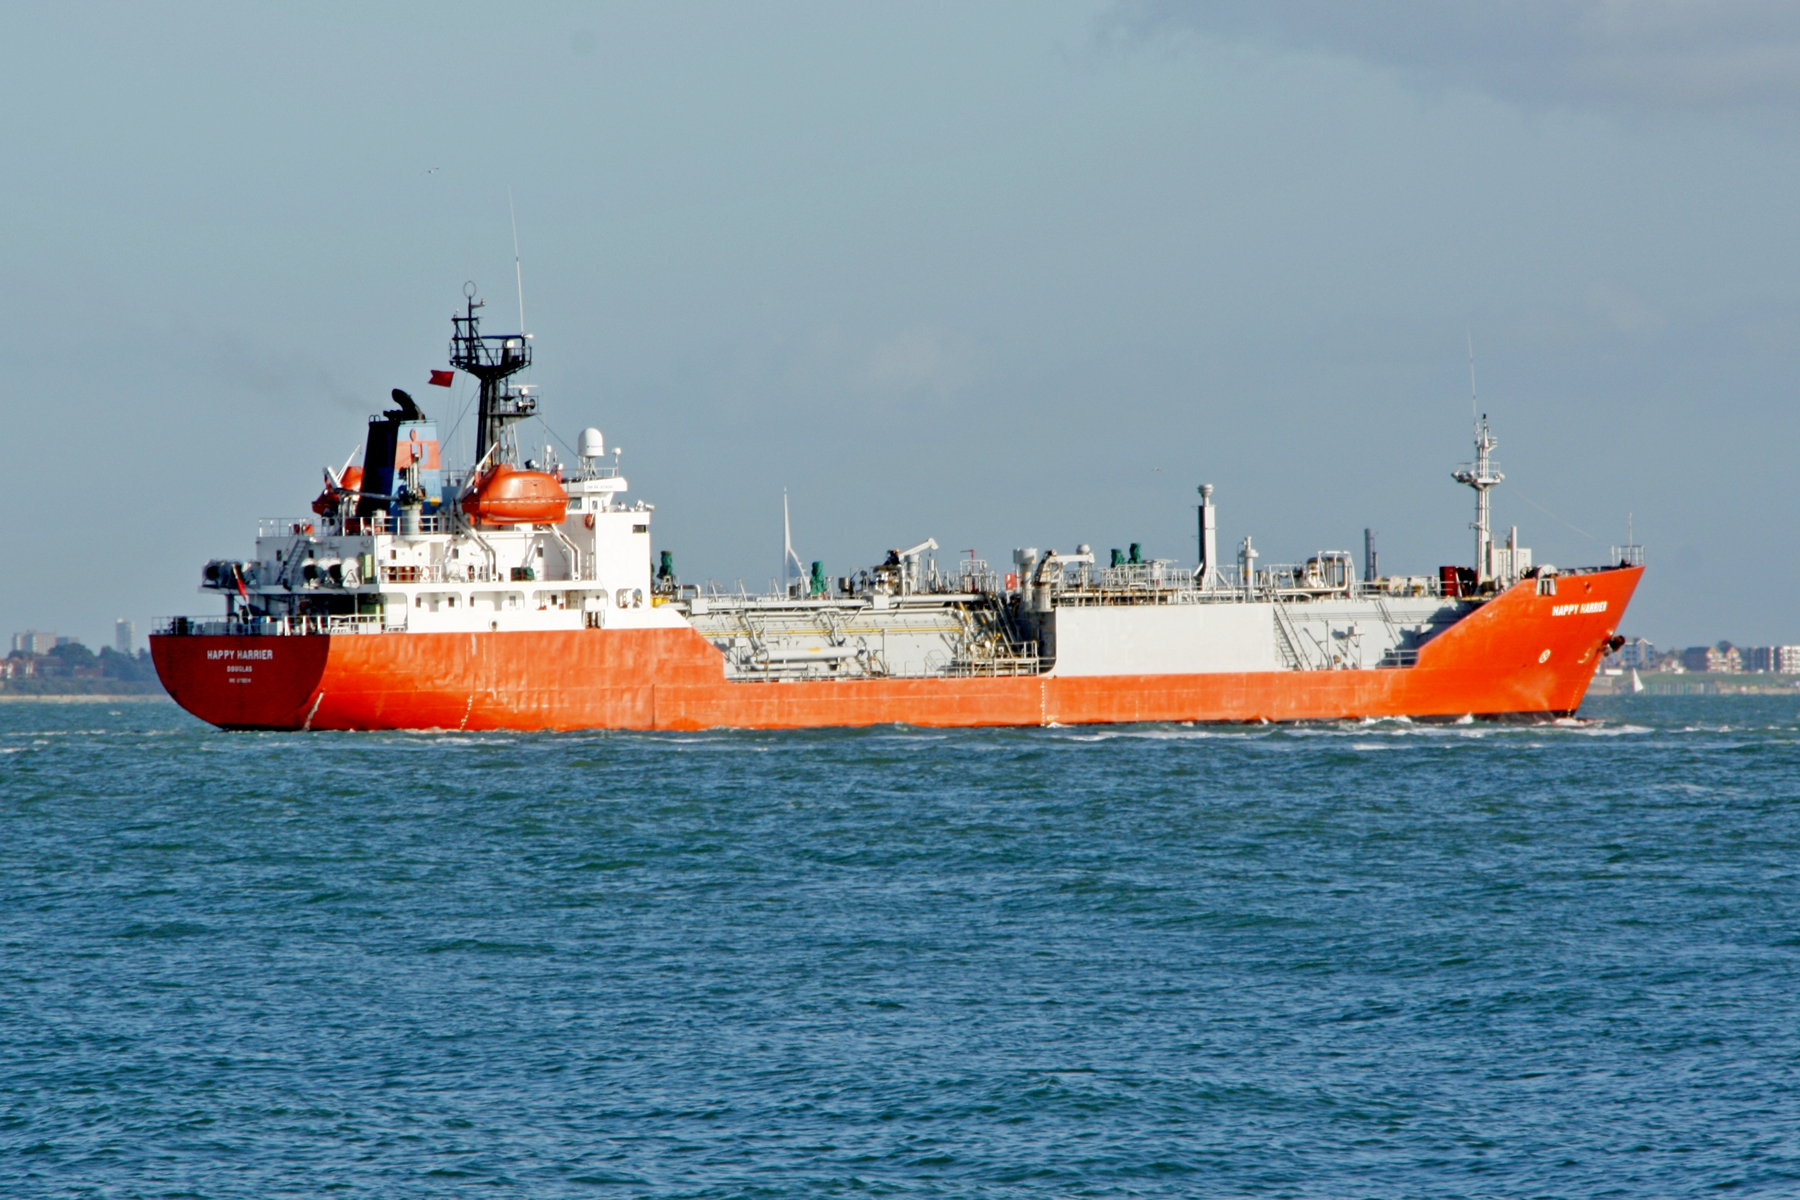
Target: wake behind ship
x: 528, y: 596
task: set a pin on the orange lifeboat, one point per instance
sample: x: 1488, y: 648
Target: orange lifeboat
x: 509, y: 496
x: 349, y: 481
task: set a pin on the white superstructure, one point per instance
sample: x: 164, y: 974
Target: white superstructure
x: 343, y: 573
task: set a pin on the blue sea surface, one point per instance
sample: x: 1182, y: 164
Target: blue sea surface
x: 1382, y: 959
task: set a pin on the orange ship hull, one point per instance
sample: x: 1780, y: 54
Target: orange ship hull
x: 1520, y: 654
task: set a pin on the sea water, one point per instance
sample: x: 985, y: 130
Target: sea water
x: 1333, y: 960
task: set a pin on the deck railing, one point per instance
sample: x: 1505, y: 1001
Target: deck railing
x: 300, y: 626
x: 380, y: 522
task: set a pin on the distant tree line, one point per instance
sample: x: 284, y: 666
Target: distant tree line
x: 72, y: 668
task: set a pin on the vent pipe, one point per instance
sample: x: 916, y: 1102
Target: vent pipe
x: 1208, y: 574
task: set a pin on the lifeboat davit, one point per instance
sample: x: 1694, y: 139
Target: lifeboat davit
x: 509, y: 496
x: 350, y: 481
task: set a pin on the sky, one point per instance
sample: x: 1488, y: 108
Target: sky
x: 1009, y: 274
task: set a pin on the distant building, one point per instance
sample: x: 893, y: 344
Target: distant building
x: 1759, y: 659
x: 124, y: 633
x: 68, y: 641
x: 1723, y: 658
x: 34, y: 641
x: 1637, y: 654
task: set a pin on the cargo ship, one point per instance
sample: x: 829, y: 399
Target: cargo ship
x: 529, y: 595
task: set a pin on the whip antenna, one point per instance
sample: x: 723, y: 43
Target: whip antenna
x: 787, y: 544
x: 1473, y: 407
x: 519, y: 271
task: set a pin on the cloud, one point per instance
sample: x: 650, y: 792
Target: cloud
x: 1624, y: 311
x: 1668, y: 55
x: 918, y: 361
x: 830, y: 368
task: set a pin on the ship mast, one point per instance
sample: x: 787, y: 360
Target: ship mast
x: 493, y: 358
x: 1482, y: 475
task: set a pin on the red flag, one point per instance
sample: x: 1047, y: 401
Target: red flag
x: 443, y: 378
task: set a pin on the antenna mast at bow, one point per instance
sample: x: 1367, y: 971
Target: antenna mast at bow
x: 1482, y: 475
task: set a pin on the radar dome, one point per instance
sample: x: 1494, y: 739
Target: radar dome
x: 591, y: 445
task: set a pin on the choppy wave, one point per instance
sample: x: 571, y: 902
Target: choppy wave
x: 1338, y: 958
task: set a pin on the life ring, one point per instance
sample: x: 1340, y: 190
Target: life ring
x: 589, y: 521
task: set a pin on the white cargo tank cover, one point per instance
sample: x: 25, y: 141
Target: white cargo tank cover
x: 1176, y: 639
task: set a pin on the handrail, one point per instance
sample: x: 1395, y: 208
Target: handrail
x: 442, y: 521
x: 311, y: 625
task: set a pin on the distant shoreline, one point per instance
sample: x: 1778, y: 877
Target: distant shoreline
x: 1697, y: 683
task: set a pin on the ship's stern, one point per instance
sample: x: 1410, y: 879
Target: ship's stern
x: 241, y: 682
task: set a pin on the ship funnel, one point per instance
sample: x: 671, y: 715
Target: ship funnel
x: 409, y: 408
